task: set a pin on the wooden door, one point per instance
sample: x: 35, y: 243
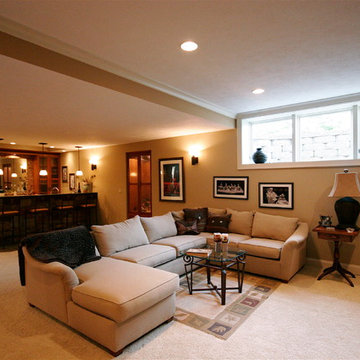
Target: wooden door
x: 139, y: 184
x: 47, y: 184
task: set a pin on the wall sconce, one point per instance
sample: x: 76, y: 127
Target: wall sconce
x: 194, y: 152
x: 194, y: 160
x: 94, y: 161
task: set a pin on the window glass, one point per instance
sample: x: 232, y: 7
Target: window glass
x: 275, y: 139
x: 326, y: 136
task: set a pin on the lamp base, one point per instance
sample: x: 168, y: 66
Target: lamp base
x: 347, y: 210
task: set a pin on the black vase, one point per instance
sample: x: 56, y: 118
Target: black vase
x: 259, y: 157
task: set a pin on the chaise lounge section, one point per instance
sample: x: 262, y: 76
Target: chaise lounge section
x: 99, y: 299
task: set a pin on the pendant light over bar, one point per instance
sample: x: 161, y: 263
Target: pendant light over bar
x: 78, y: 171
x: 43, y: 172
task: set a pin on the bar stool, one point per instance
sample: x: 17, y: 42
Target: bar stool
x: 86, y: 204
x: 63, y: 208
x: 39, y: 211
x: 9, y: 212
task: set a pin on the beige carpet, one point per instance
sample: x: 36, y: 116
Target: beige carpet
x: 305, y: 319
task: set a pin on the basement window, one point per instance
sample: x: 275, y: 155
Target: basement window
x: 327, y: 136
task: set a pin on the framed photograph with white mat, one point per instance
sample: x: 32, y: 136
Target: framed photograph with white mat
x: 231, y: 187
x: 276, y: 195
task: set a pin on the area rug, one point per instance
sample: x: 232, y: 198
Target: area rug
x: 203, y: 310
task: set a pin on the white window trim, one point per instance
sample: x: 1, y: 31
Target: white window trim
x: 355, y: 107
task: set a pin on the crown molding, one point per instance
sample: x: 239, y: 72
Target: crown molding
x: 25, y: 33
x: 350, y: 98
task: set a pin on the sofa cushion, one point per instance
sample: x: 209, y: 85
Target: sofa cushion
x: 218, y: 223
x: 182, y: 242
x: 149, y: 255
x: 266, y: 248
x: 273, y: 226
x: 234, y: 240
x: 108, y: 289
x: 186, y: 228
x: 199, y: 214
x: 241, y: 221
x: 120, y: 236
x: 157, y: 227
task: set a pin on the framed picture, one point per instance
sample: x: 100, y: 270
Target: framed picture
x: 171, y: 176
x: 276, y: 195
x: 64, y: 172
x: 235, y: 187
x: 72, y: 181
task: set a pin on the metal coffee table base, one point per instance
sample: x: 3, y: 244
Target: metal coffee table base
x: 191, y: 262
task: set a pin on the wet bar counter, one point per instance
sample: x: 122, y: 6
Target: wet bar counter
x: 22, y: 215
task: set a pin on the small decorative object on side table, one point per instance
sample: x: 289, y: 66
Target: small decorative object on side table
x: 337, y: 236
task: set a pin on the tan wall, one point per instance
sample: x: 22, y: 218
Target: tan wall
x: 218, y: 158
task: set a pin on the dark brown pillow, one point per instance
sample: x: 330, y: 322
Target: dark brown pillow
x: 218, y: 223
x: 200, y: 215
x: 185, y: 228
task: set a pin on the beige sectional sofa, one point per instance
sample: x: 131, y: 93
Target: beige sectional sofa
x: 127, y: 293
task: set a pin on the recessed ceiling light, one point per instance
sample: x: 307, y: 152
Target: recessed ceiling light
x: 51, y: 147
x: 258, y: 91
x: 189, y: 46
x: 13, y: 143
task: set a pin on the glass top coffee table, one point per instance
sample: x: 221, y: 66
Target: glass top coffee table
x: 222, y: 261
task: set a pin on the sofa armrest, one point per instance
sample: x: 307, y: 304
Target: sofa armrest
x: 49, y: 285
x: 298, y: 237
x: 64, y: 272
x: 293, y: 254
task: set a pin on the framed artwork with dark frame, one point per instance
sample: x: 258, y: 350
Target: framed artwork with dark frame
x: 276, y: 195
x: 72, y: 181
x: 171, y: 179
x: 64, y: 172
x: 231, y: 187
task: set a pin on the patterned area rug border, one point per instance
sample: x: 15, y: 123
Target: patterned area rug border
x: 234, y: 313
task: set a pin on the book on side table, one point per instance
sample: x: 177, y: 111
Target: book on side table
x: 199, y: 252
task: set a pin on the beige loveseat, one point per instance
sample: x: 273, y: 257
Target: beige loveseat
x: 275, y: 245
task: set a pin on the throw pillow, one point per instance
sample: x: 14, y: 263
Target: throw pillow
x: 273, y: 227
x: 184, y: 228
x: 241, y: 221
x: 200, y: 215
x: 120, y: 236
x: 178, y: 215
x: 158, y: 227
x: 218, y: 223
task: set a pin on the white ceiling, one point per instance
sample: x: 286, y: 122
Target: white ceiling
x: 298, y: 51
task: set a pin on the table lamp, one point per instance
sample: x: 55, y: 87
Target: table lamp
x: 346, y: 186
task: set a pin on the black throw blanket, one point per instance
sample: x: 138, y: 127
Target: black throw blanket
x: 72, y: 247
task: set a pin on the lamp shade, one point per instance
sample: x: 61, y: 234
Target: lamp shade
x: 346, y: 184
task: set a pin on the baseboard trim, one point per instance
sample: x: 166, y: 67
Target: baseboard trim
x: 326, y: 263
